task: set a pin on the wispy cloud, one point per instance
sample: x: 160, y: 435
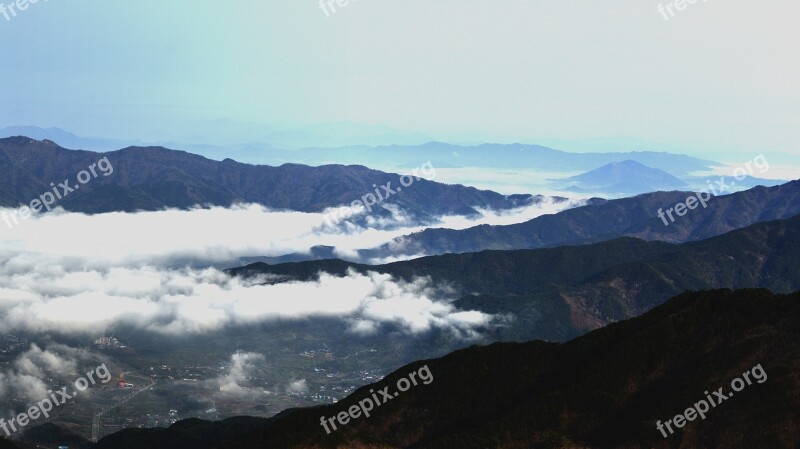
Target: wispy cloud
x: 236, y: 382
x: 37, y: 370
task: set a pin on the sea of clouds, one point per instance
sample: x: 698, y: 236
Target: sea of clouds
x: 161, y: 272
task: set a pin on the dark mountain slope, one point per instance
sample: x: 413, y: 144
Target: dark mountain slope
x: 6, y: 444
x: 604, y: 390
x: 51, y: 435
x: 154, y: 178
x: 557, y: 293
x: 498, y: 272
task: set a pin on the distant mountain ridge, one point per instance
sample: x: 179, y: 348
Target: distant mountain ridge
x: 604, y: 220
x: 515, y: 156
x: 607, y: 389
x: 222, y: 137
x: 63, y: 138
x: 444, y: 155
x: 153, y: 178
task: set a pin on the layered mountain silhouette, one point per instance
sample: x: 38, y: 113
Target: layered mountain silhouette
x: 607, y: 389
x: 633, y: 318
x: 266, y: 149
x: 154, y: 178
x: 559, y: 293
x: 512, y: 156
x: 604, y: 220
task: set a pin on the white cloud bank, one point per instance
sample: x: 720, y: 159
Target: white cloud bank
x: 57, y: 297
x: 218, y: 235
x: 81, y: 274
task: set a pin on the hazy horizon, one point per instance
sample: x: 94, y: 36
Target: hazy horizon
x: 715, y: 79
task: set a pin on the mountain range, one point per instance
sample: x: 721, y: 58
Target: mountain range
x: 607, y: 318
x: 603, y: 220
x: 559, y: 293
x: 442, y: 155
x: 153, y: 178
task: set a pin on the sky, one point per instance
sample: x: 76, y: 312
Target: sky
x: 717, y: 77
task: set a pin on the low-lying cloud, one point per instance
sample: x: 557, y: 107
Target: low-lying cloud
x: 191, y: 301
x: 158, y: 271
x: 220, y: 235
x: 236, y: 382
x: 38, y: 370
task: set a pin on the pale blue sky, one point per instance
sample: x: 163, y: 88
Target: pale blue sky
x: 721, y: 75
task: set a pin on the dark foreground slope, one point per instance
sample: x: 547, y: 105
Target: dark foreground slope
x: 559, y: 293
x: 604, y: 390
x: 6, y: 444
